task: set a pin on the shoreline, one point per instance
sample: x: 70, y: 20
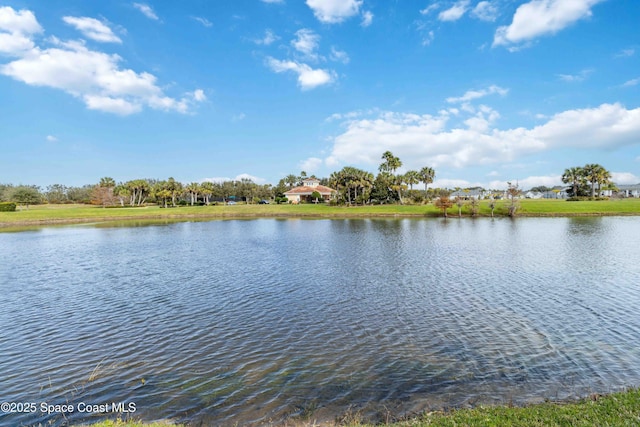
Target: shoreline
x: 52, y: 215
x: 616, y: 408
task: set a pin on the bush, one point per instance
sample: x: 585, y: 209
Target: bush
x: 584, y: 199
x: 7, y: 207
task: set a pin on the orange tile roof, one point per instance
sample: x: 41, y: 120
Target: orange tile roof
x: 304, y: 190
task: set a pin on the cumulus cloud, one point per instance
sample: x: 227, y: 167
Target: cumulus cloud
x: 334, y: 11
x: 624, y: 178
x: 475, y: 94
x: 16, y: 31
x: 51, y: 138
x: 339, y: 56
x: 455, y: 12
x: 485, y: 11
x: 308, y: 78
x: 93, y: 29
x: 92, y: 76
x: 146, y: 11
x: 542, y: 17
x: 269, y: 38
x: 312, y: 164
x: 430, y: 139
x: 367, y: 19
x: 306, y: 42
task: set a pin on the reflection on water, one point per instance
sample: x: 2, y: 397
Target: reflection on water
x: 256, y: 321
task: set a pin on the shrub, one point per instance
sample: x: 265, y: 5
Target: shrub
x: 585, y: 198
x: 7, y: 207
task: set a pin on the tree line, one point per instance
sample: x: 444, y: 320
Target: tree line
x: 584, y: 180
x: 353, y: 186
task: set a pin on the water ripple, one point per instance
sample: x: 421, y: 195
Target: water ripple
x: 264, y: 321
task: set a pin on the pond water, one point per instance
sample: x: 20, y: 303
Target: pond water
x: 254, y: 322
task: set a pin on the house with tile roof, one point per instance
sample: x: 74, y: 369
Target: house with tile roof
x: 303, y: 192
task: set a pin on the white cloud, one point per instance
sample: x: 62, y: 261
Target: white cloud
x: 528, y: 182
x: 203, y: 21
x: 312, y: 164
x: 581, y: 76
x: 93, y: 29
x: 542, y: 17
x: 475, y: 94
x: 51, y: 138
x: 146, y: 11
x: 308, y: 78
x: 16, y: 31
x: 334, y: 11
x: 367, y: 19
x: 426, y: 41
x: 493, y: 173
x: 485, y: 11
x: 199, y: 96
x: 269, y: 38
x: 339, y: 56
x: 632, y: 82
x: 624, y: 178
x: 429, y: 139
x: 455, y: 12
x: 626, y: 53
x: 427, y: 10
x: 307, y: 42
x: 93, y: 76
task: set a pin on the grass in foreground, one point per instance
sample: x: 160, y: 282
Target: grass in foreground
x: 617, y: 409
x: 61, y: 214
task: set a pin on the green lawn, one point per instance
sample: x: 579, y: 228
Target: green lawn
x: 617, y: 409
x: 60, y: 214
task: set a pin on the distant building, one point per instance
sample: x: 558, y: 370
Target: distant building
x: 629, y: 190
x: 303, y: 193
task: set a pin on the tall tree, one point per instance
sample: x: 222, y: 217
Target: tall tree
x: 193, y: 189
x: 291, y: 180
x: 390, y: 164
x: 107, y: 182
x: 427, y: 175
x: 575, y: 177
x: 208, y: 189
x: 56, y: 193
x: 26, y: 195
x: 411, y: 178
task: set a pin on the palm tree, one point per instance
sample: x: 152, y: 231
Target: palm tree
x: 175, y: 188
x: 207, y: 189
x: 107, y: 182
x: 391, y: 163
x: 575, y: 177
x: 595, y: 174
x: 291, y: 180
x: 193, y: 189
x: 411, y: 178
x: 427, y: 175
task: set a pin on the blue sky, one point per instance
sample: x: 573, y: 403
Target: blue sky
x: 482, y: 91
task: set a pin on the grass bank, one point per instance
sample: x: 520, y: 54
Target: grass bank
x: 69, y: 214
x: 617, y: 409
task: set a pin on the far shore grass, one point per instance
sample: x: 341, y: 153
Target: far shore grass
x: 70, y: 214
x: 616, y: 409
